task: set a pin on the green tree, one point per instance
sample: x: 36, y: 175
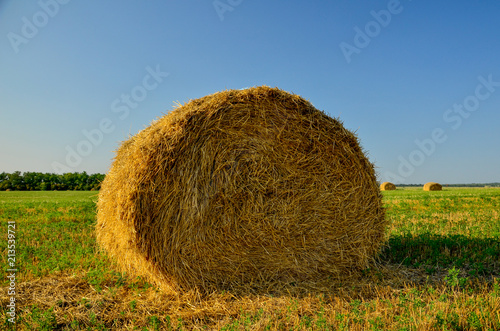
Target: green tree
x: 17, y: 181
x: 5, y: 183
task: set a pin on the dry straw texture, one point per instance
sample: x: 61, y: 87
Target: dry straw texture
x: 387, y: 186
x: 431, y: 186
x: 241, y: 187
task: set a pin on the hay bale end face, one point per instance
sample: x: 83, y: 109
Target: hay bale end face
x: 387, y: 186
x: 241, y: 186
x: 431, y: 186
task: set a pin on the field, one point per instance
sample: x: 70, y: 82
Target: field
x: 439, y: 270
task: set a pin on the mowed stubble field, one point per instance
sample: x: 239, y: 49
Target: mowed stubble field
x: 439, y: 270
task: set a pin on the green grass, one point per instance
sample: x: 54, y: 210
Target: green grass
x: 439, y: 270
x: 54, y: 231
x: 451, y: 228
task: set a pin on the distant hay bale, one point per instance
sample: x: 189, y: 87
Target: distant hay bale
x: 241, y: 187
x: 387, y: 186
x: 431, y: 186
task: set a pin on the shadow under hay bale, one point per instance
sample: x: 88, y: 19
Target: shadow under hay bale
x: 241, y: 187
x: 431, y: 186
x: 387, y: 186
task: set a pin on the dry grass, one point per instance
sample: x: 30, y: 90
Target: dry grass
x: 387, y: 186
x: 431, y: 186
x: 242, y: 190
x: 368, y: 302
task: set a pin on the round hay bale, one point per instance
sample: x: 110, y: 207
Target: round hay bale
x: 387, y: 186
x: 431, y: 186
x: 241, y: 187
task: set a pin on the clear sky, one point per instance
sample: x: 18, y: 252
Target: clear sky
x: 418, y: 81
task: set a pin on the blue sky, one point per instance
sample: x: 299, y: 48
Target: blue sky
x: 418, y: 81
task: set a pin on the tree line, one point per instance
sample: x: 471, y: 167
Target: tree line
x: 37, y: 181
x: 457, y: 185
